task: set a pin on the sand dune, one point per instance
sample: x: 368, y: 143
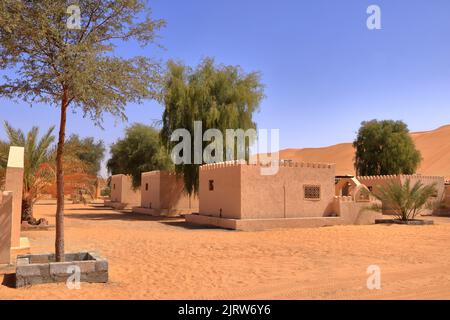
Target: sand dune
x: 434, y: 146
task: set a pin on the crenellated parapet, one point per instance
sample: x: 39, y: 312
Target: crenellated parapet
x: 404, y: 176
x: 343, y: 198
x: 281, y: 164
x: 378, y: 177
x: 158, y: 172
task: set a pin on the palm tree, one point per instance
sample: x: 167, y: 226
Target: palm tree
x: 407, y: 201
x: 4, y: 149
x: 38, y: 171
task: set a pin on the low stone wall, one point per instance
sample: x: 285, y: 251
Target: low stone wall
x: 163, y: 212
x: 354, y: 212
x: 35, y: 269
x: 263, y: 224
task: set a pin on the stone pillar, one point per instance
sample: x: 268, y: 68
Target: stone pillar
x: 5, y: 227
x: 14, y: 183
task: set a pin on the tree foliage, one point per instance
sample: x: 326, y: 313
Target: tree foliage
x: 87, y: 150
x: 38, y: 170
x: 384, y: 148
x: 4, y: 150
x: 49, y: 58
x: 405, y: 199
x: 221, y: 97
x: 139, y: 151
x: 76, y: 68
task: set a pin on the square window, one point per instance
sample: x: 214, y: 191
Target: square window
x: 211, y: 185
x: 311, y: 192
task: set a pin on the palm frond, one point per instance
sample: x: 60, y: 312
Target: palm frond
x: 16, y: 136
x: 405, y: 200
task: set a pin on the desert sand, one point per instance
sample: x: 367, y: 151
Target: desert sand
x: 434, y: 146
x: 153, y: 258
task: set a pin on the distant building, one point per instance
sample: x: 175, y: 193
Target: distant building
x: 372, y: 182
x: 122, y: 193
x: 163, y: 194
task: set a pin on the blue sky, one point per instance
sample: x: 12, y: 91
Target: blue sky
x: 324, y: 71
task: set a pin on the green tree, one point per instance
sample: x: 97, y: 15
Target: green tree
x: 72, y: 68
x: 221, y: 97
x: 405, y: 199
x: 87, y: 150
x: 4, y: 150
x: 38, y: 171
x: 384, y: 148
x: 139, y: 151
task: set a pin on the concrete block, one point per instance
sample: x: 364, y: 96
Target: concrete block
x: 92, y: 266
x: 101, y: 265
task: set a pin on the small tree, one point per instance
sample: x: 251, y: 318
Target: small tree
x: 407, y: 201
x: 385, y: 148
x: 139, y: 151
x: 4, y: 150
x: 69, y: 61
x: 87, y: 150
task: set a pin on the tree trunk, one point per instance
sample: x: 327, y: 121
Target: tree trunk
x: 59, y: 241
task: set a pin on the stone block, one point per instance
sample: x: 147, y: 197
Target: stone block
x: 93, y: 268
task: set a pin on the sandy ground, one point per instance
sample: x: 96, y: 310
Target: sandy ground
x: 167, y: 259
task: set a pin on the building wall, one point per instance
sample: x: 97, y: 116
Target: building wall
x: 225, y: 200
x: 282, y: 195
x: 241, y: 192
x: 357, y: 212
x: 122, y: 191
x: 116, y: 187
x: 14, y: 183
x: 164, y: 190
x: 150, y: 198
x: 6, y: 207
x: 173, y: 195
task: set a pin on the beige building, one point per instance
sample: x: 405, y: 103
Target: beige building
x: 162, y: 194
x: 235, y: 195
x: 122, y: 193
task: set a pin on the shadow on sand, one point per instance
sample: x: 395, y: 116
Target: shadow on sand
x: 95, y: 209
x: 124, y: 216
x: 104, y: 213
x: 185, y: 225
x: 9, y: 280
